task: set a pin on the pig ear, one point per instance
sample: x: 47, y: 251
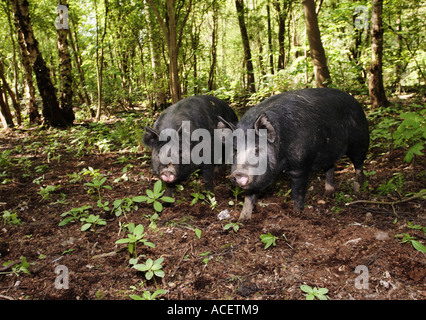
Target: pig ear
x: 223, y: 124
x: 262, y: 122
x: 150, y: 137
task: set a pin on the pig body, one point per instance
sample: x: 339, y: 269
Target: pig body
x: 307, y: 130
x: 198, y: 112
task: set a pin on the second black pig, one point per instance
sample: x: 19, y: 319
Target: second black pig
x: 306, y: 130
x: 183, y: 118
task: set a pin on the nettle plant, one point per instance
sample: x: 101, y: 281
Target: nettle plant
x: 155, y: 196
x: 136, y: 235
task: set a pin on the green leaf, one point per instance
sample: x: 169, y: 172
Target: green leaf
x: 124, y: 240
x: 86, y: 226
x: 139, y: 229
x: 159, y: 273
x: 150, y: 194
x: 157, y: 188
x: 306, y: 288
x: 168, y: 199
x: 140, y: 199
x: 149, y: 275
x: 158, y: 206
x: 198, y: 233
x: 418, y: 246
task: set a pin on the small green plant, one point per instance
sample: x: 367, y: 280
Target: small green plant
x: 235, y: 226
x: 136, y: 235
x: 206, y: 256
x: 313, y: 293
x: 10, y: 218
x: 151, y: 268
x: 17, y: 267
x: 97, y: 184
x: 411, y: 133
x: 146, y: 295
x: 126, y: 205
x: 406, y: 238
x: 155, y: 195
x: 47, y: 191
x: 75, y: 214
x: 91, y: 221
x: 268, y: 239
x: 395, y: 184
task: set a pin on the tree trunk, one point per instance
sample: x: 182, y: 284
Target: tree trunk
x: 7, y: 89
x: 155, y: 47
x: 281, y: 33
x: 246, y: 45
x: 375, y: 83
x: 100, y: 57
x: 80, y: 72
x: 169, y: 26
x: 271, y: 56
x: 322, y: 74
x: 53, y: 115
x: 211, y: 83
x: 65, y: 76
x: 5, y: 115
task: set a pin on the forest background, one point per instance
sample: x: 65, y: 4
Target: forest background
x: 105, y: 56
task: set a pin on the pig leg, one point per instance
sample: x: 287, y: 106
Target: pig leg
x: 359, y: 179
x: 249, y: 202
x: 168, y: 192
x: 208, y: 173
x: 329, y: 182
x: 298, y: 190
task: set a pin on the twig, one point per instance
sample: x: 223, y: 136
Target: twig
x: 391, y: 203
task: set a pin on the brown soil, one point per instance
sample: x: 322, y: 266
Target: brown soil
x: 320, y: 247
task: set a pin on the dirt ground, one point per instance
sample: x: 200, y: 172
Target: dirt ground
x: 330, y: 245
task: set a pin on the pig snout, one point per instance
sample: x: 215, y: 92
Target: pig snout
x: 239, y: 178
x: 167, y: 176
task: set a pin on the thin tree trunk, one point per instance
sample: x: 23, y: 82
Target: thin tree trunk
x: 211, y: 83
x: 169, y: 28
x: 271, y: 56
x: 7, y: 89
x: 322, y: 74
x: 375, y: 82
x: 246, y: 45
x: 281, y: 33
x: 65, y: 76
x: 100, y: 57
x: 159, y: 94
x: 5, y: 115
x: 53, y: 114
x: 80, y: 72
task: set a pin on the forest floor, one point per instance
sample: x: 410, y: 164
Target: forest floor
x: 330, y: 245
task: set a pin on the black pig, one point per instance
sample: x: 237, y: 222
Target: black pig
x: 306, y: 130
x: 183, y: 118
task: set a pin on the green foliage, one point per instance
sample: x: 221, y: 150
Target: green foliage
x: 46, y: 192
x: 10, y: 218
x: 406, y: 238
x: 395, y: 184
x: 97, y: 184
x: 235, y: 226
x: 75, y: 214
x: 146, y: 295
x: 155, y: 197
x: 313, y: 293
x: 151, y: 268
x: 136, y: 235
x: 411, y: 133
x: 268, y: 239
x: 91, y: 222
